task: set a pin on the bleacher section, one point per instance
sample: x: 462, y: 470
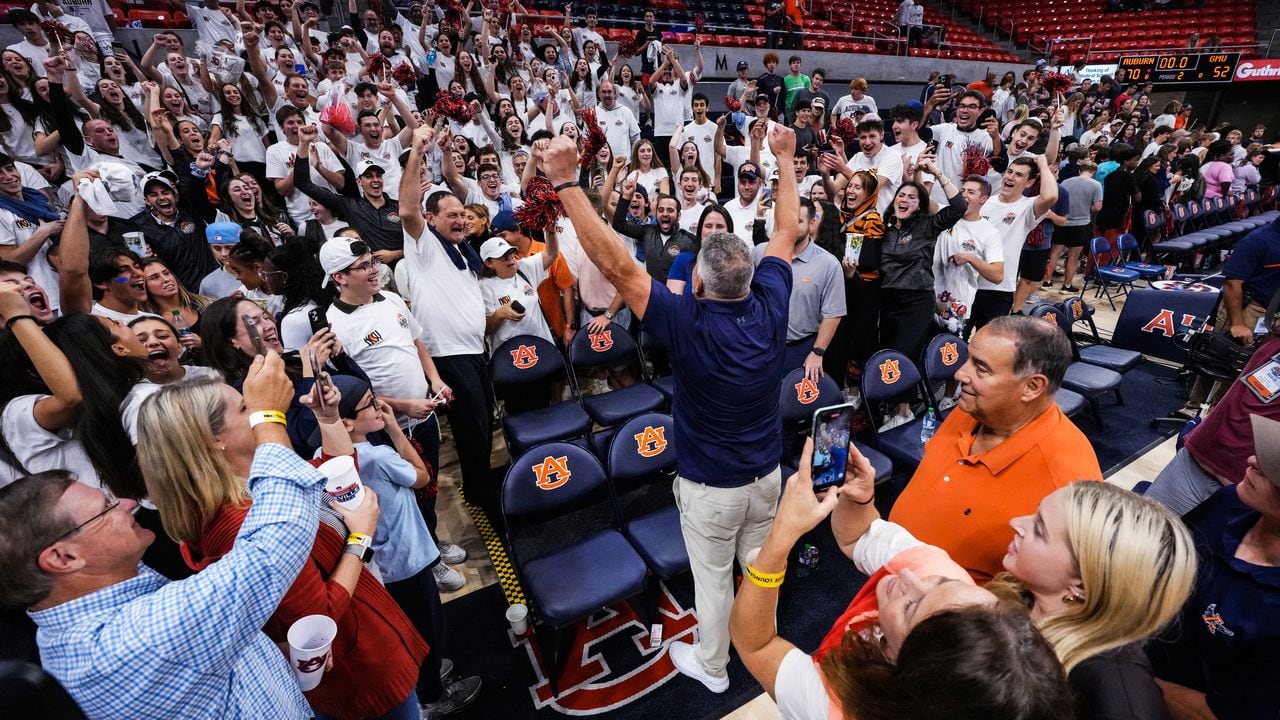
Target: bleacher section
x: 1104, y: 37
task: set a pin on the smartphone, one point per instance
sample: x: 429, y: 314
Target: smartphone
x: 832, y: 428
x: 318, y: 320
x: 931, y: 147
x: 985, y: 116
x: 515, y: 305
x: 322, y: 381
x: 251, y: 328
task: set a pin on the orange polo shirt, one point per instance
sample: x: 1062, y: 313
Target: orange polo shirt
x: 559, y: 278
x: 962, y: 503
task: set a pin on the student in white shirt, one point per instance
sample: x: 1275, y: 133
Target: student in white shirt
x: 970, y: 250
x: 510, y: 280
x: 1015, y: 217
x: 326, y: 169
x: 880, y: 159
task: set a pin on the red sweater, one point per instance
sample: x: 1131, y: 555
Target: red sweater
x: 377, y: 653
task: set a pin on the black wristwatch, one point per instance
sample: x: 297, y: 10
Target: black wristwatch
x: 818, y: 351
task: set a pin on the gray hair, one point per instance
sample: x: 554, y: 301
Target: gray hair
x: 726, y: 266
x: 1039, y: 347
x: 30, y: 521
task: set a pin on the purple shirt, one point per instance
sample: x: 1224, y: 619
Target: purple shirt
x: 1224, y: 441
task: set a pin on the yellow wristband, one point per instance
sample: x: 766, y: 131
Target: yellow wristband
x: 266, y: 416
x: 765, y: 580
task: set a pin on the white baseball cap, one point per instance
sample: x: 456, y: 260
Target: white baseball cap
x: 494, y: 248
x: 339, y: 254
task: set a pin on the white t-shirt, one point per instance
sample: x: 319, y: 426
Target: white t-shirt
x: 909, y: 155
x: 744, y: 218
x: 246, y: 144
x: 37, y: 54
x: 887, y: 165
x: 620, y: 127
x: 651, y: 181
x: 967, y: 236
x: 524, y: 290
x: 213, y: 25
x: 280, y: 160
x: 668, y: 108
x: 122, y: 318
x: 295, y: 327
x: 89, y: 157
x: 38, y: 449
x: 1013, y: 220
x: 380, y: 336
x: 951, y: 145
x: 14, y: 231
x: 476, y: 196
x: 739, y: 154
x: 447, y: 302
x: 704, y: 136
x: 386, y: 154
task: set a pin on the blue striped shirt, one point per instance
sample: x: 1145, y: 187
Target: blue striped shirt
x: 150, y: 648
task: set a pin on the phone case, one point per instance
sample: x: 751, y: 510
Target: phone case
x: 853, y: 246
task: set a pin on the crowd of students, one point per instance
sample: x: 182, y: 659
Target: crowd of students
x: 192, y: 239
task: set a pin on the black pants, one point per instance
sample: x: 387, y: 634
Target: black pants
x: 859, y: 328
x: 419, y: 598
x: 469, y: 417
x: 987, y: 306
x: 906, y: 320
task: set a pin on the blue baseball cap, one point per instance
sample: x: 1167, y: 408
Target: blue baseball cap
x: 222, y: 233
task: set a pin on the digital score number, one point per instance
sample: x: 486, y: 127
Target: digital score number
x: 1178, y: 68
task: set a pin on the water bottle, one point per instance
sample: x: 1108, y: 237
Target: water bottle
x: 808, y: 560
x: 180, y: 323
x: 929, y: 425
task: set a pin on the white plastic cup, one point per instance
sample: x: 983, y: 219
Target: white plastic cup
x: 518, y: 616
x: 343, y: 481
x: 309, y: 641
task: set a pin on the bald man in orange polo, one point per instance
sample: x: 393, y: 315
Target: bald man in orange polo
x: 1003, y: 448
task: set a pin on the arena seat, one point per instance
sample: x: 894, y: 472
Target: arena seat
x: 798, y: 401
x: 609, y: 347
x: 526, y: 361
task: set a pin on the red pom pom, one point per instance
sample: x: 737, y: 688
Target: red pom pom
x: 450, y: 107
x: 847, y: 131
x: 405, y: 75
x: 699, y: 23
x: 378, y: 64
x: 974, y: 161
x: 594, y: 138
x: 732, y: 104
x: 56, y: 30
x: 1057, y: 84
x: 627, y: 46
x: 541, y: 208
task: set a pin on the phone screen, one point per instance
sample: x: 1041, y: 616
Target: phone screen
x: 832, y: 428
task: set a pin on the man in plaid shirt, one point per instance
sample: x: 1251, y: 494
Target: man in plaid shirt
x: 126, y: 642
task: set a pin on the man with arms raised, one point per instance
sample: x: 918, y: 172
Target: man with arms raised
x: 727, y: 420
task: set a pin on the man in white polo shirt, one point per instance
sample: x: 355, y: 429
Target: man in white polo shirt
x: 444, y: 290
x: 617, y: 121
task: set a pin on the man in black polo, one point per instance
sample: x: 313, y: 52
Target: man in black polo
x: 661, y: 242
x: 375, y: 215
x: 727, y: 374
x: 174, y: 234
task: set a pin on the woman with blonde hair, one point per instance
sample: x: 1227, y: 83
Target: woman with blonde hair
x: 1099, y: 568
x: 196, y: 451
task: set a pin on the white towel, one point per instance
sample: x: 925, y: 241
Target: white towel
x: 115, y: 183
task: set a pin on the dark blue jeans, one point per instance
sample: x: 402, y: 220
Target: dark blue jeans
x: 407, y: 710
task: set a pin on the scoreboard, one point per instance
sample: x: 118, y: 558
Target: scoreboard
x: 1188, y: 67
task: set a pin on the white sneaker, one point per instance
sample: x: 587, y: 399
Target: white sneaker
x: 897, y: 420
x: 448, y: 579
x: 685, y: 658
x: 451, y: 554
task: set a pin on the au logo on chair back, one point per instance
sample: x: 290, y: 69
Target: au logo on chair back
x: 524, y: 357
x: 552, y: 472
x: 602, y: 340
x: 889, y: 372
x: 652, y: 441
x: 950, y: 354
x: 806, y: 391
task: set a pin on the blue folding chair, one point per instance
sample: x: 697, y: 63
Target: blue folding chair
x: 528, y: 363
x: 1090, y: 381
x: 1112, y: 358
x: 613, y: 346
x: 572, y: 561
x: 941, y: 358
x: 798, y: 398
x: 642, y: 459
x: 1105, y: 274
x: 1130, y: 258
x: 887, y: 377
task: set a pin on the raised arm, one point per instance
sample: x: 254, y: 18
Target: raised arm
x: 786, y: 204
x: 456, y: 182
x: 258, y: 67
x: 74, y: 285
x: 560, y: 163
x: 61, y: 408
x: 411, y: 183
x: 1048, y: 187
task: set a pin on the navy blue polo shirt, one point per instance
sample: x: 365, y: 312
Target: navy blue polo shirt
x: 727, y: 359
x: 1226, y: 642
x: 1256, y: 261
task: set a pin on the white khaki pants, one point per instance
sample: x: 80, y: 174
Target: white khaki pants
x: 720, y: 524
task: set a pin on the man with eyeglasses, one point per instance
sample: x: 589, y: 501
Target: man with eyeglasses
x: 72, y: 557
x: 964, y: 136
x: 375, y: 214
x: 485, y: 190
